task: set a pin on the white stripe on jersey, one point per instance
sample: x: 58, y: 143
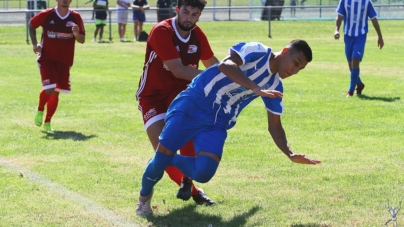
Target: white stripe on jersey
x: 143, y: 79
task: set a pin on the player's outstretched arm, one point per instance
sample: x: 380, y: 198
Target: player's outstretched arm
x: 229, y: 66
x: 278, y: 134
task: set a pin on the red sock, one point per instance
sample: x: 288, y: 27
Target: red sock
x: 174, y: 174
x: 43, y: 99
x: 51, y: 107
x: 188, y: 150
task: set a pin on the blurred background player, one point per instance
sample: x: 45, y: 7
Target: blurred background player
x: 138, y: 16
x: 174, y: 49
x: 61, y: 27
x: 355, y: 15
x: 100, y: 8
x: 122, y: 7
x: 164, y: 10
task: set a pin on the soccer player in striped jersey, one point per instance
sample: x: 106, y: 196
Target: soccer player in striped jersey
x: 61, y: 28
x: 355, y: 14
x: 210, y: 106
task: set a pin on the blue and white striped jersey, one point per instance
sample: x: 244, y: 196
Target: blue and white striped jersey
x: 356, y: 14
x: 232, y: 97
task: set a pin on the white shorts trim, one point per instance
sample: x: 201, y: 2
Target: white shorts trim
x: 154, y: 119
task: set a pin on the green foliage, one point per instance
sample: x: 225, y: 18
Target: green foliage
x: 100, y: 149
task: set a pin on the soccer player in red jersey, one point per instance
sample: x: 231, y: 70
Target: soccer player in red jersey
x: 174, y: 48
x: 61, y: 27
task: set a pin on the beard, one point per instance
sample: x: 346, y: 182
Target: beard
x: 183, y: 27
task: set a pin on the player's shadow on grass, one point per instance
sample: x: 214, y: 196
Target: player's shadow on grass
x: 66, y: 135
x: 385, y: 99
x: 187, y: 216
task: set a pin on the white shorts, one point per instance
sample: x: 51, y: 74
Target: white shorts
x: 122, y: 15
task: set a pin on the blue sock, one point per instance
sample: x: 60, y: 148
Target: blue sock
x: 154, y: 172
x: 354, y: 79
x: 359, y: 81
x: 200, y: 168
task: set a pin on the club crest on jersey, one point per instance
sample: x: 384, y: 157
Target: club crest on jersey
x: 69, y: 24
x: 192, y: 49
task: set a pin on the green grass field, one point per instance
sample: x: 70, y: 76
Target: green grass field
x: 88, y: 172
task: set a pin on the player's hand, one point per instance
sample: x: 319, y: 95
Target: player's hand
x: 301, y: 158
x: 75, y: 30
x: 268, y: 93
x: 336, y: 35
x: 37, y: 48
x: 380, y: 43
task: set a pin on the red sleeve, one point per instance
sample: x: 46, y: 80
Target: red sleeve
x: 79, y: 23
x: 39, y: 19
x: 161, y: 42
x: 205, y: 47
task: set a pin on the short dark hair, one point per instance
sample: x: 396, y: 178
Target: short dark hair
x: 301, y: 45
x: 200, y: 4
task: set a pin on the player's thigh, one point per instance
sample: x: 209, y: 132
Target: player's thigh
x: 48, y: 71
x: 63, y: 78
x: 211, y: 140
x: 359, y: 47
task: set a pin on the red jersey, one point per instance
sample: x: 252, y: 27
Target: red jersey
x: 57, y: 36
x: 164, y: 43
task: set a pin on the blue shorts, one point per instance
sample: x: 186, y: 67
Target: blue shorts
x: 354, y: 47
x: 202, y: 125
x: 141, y: 17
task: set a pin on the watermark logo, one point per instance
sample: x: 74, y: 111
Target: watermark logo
x: 393, y: 212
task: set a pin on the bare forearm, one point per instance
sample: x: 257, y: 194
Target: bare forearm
x: 32, y: 35
x: 338, y: 23
x: 377, y: 27
x: 279, y: 137
x: 80, y: 38
x: 185, y: 73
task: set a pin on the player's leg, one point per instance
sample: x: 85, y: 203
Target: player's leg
x: 349, y: 53
x: 47, y: 71
x: 359, y: 52
x: 209, y: 143
x: 154, y: 112
x: 103, y: 23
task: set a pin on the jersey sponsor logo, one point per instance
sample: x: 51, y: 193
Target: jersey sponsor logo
x: 59, y: 35
x: 192, y: 49
x: 45, y: 82
x: 149, y: 114
x: 69, y: 24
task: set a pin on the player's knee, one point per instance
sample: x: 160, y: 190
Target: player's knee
x: 203, y: 176
x: 205, y: 168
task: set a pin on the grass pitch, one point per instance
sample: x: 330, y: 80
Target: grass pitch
x: 88, y: 172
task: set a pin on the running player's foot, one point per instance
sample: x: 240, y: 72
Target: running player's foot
x: 202, y: 199
x: 47, y: 126
x: 144, y: 208
x: 38, y: 118
x: 349, y: 94
x: 360, y: 88
x: 185, y: 190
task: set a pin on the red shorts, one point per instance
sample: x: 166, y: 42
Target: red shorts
x: 154, y: 108
x: 55, y: 75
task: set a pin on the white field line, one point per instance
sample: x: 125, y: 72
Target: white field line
x: 91, y: 206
